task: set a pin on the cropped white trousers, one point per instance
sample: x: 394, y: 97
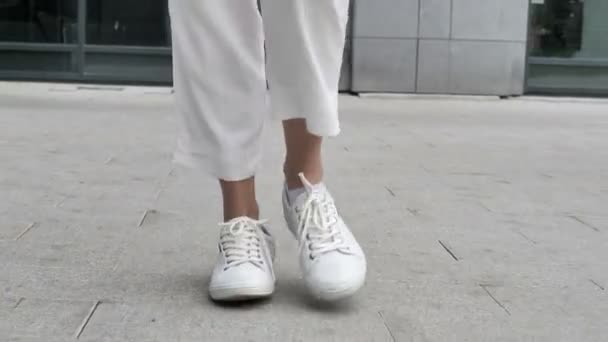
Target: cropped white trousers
x: 233, y: 69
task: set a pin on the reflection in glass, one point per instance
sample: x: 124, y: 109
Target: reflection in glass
x: 39, y: 21
x: 569, y: 28
x: 128, y: 22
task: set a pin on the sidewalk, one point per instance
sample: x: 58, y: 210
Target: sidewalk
x: 482, y: 219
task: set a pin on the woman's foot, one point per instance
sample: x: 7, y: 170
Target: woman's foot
x: 244, y: 266
x: 332, y: 261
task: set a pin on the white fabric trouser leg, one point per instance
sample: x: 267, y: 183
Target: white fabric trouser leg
x: 220, y: 75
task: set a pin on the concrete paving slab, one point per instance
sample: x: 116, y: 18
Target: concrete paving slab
x: 482, y: 219
x: 41, y: 318
x: 185, y: 320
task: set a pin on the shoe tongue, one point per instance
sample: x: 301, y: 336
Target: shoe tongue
x: 311, y: 190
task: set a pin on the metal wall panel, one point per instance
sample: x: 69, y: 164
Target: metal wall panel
x: 458, y: 46
x: 435, y: 19
x: 504, y: 20
x: 384, y: 65
x: 386, y: 18
x: 488, y: 68
x: 433, y: 66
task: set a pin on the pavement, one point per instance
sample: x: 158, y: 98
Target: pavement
x: 482, y: 219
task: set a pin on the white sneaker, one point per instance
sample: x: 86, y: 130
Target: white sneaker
x: 332, y: 261
x: 244, y: 266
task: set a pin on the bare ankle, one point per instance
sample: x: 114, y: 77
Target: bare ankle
x: 254, y: 211
x: 239, y: 199
x: 313, y: 174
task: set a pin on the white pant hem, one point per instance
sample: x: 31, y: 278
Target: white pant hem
x: 213, y: 168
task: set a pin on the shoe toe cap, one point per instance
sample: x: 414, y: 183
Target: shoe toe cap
x: 239, y: 276
x: 336, y: 275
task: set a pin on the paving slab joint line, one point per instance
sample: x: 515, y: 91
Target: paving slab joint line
x: 448, y: 250
x: 426, y: 169
x: 414, y: 212
x: 484, y: 287
x: 484, y: 207
x: 598, y: 285
x: 546, y: 175
x: 27, y: 229
x: 386, y: 326
x: 86, y: 320
x: 526, y: 237
x: 163, y: 184
x: 158, y: 193
x: 584, y: 223
x: 61, y: 202
x: 145, y: 214
x: 18, y: 303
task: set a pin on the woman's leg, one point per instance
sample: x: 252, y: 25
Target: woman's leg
x: 305, y: 42
x: 220, y: 90
x: 303, y: 154
x: 220, y: 87
x: 239, y: 199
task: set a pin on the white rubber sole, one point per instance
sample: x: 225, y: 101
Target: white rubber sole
x: 234, y: 294
x: 337, y: 293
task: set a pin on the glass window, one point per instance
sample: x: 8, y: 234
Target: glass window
x: 557, y: 28
x: 128, y: 22
x: 571, y: 39
x: 12, y: 60
x: 38, y: 21
x: 570, y: 28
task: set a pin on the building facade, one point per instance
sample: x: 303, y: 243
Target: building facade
x: 488, y: 47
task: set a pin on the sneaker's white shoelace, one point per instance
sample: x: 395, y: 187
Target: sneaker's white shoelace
x: 318, y: 229
x: 241, y: 243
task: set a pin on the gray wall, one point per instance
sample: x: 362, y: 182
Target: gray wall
x: 439, y: 46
